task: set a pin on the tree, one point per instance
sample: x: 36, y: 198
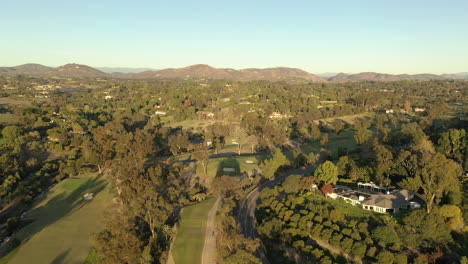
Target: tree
x: 338, y: 126
x: 454, y: 144
x: 240, y: 137
x: 101, y: 149
x: 327, y: 172
x: 178, y: 143
x: 327, y: 188
x: 324, y: 140
x: 362, y: 135
x: 227, y: 187
x: 385, y: 257
x: 11, y: 132
x: 383, y: 160
x: 425, y: 230
x: 311, y: 158
x: 314, y: 131
x: 385, y: 234
x: 453, y: 216
x: 202, y: 154
x: 292, y: 184
x: 344, y: 165
x: 436, y: 175
x: 270, y: 166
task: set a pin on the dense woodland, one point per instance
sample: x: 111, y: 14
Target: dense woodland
x: 53, y: 129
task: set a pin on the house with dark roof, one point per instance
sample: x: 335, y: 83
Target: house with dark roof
x: 388, y: 202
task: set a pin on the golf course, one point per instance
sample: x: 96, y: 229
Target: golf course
x: 63, y: 223
x: 188, y: 245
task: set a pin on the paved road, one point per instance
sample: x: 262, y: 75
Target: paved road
x: 246, y: 215
x: 209, y: 253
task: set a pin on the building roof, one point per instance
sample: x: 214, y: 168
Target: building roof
x: 391, y: 200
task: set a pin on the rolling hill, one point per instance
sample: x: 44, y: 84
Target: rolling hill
x: 27, y: 69
x: 383, y: 77
x: 203, y: 71
x: 207, y: 72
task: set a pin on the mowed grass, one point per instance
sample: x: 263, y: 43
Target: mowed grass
x: 8, y: 118
x: 345, y: 141
x: 63, y: 223
x: 14, y: 101
x: 216, y: 165
x: 190, y: 238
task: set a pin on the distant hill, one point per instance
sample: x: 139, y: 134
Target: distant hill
x: 73, y: 71
x: 27, y: 69
x: 383, y: 77
x: 123, y: 69
x: 205, y: 71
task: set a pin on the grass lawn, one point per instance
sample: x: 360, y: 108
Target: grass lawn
x: 63, y: 223
x: 8, y: 118
x: 190, y: 238
x: 344, y: 140
x: 14, y: 101
x: 347, y: 209
x: 215, y: 166
x: 191, y: 123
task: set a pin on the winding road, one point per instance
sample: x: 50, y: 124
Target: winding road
x: 246, y: 215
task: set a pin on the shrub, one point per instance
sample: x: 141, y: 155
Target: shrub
x: 359, y: 249
x: 371, y: 252
x: 13, y: 224
x: 317, y: 253
x: 385, y: 257
x: 401, y: 259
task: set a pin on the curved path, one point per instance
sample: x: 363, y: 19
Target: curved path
x: 209, y: 249
x: 246, y: 215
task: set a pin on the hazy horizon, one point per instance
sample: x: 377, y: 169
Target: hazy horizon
x: 337, y: 36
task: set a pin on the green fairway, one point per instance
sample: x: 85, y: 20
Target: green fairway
x: 190, y: 238
x: 215, y: 166
x: 8, y: 118
x: 345, y: 140
x: 63, y: 223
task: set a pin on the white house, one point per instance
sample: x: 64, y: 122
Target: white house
x: 388, y: 202
x: 278, y: 115
x: 419, y: 109
x: 160, y: 112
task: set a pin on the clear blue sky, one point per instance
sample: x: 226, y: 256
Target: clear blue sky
x: 393, y: 36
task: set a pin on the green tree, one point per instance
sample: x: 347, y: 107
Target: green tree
x: 385, y: 257
x: 202, y: 155
x: 338, y: 126
x: 362, y: 135
x: 324, y: 140
x: 327, y: 172
x: 292, y: 184
x: 385, y: 234
x: 270, y: 167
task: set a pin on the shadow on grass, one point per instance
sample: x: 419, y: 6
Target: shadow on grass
x: 60, y: 258
x: 60, y: 206
x: 228, y: 163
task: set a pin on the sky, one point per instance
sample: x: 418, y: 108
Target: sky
x: 390, y: 36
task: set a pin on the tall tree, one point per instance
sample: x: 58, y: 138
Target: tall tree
x: 270, y: 167
x: 327, y: 172
x: 202, y: 155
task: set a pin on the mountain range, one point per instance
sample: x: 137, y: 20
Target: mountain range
x: 202, y: 71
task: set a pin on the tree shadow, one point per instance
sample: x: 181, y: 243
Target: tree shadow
x: 60, y: 258
x: 60, y: 206
x: 228, y: 163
